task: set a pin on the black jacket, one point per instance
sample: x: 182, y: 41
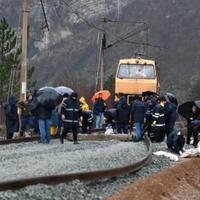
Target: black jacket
x: 158, y: 118
x: 170, y: 112
x: 12, y: 120
x: 99, y: 107
x: 43, y: 112
x: 71, y: 110
x: 138, y: 111
x: 123, y: 114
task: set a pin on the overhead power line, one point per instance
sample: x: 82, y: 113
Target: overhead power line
x: 122, y: 38
x: 130, y: 34
x: 80, y: 17
x: 44, y: 13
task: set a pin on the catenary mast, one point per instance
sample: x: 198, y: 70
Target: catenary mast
x: 23, y: 66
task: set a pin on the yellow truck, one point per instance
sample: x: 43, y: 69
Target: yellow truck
x: 135, y: 76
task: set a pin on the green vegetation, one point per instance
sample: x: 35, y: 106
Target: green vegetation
x: 10, y: 52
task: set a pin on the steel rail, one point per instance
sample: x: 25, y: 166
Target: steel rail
x: 82, y: 176
x: 33, y: 138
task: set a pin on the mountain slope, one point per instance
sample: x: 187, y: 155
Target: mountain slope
x: 68, y: 53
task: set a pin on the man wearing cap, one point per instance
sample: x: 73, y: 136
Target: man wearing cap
x: 70, y: 114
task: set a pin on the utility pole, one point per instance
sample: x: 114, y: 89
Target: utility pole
x: 103, y: 47
x: 23, y: 66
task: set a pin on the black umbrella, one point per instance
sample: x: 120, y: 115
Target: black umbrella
x: 197, y: 103
x: 48, y: 97
x: 172, y: 98
x: 168, y: 94
x: 185, y: 109
x: 148, y: 93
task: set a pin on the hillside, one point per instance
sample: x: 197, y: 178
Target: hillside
x: 68, y: 53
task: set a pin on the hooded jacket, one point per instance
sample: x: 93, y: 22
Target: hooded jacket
x: 84, y: 105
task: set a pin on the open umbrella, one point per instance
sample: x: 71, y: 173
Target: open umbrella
x: 48, y: 97
x: 45, y: 87
x: 148, y: 93
x: 172, y: 98
x: 104, y: 94
x: 170, y: 95
x: 185, y: 109
x: 197, y: 103
x: 64, y: 90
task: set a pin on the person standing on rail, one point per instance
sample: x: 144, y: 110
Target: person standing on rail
x: 157, y: 132
x: 137, y: 116
x: 27, y: 119
x: 170, y: 114
x: 87, y: 116
x: 70, y: 114
x: 190, y: 128
x: 98, y: 111
x: 12, y: 119
x: 44, y: 122
x: 122, y: 115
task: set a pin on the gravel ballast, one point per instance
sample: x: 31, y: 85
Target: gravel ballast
x: 33, y: 159
x: 105, y: 151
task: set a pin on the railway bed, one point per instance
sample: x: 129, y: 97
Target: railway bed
x: 23, y: 163
x: 88, y: 190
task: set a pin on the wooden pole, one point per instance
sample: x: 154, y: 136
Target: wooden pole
x: 103, y: 46
x: 23, y: 66
x: 102, y: 69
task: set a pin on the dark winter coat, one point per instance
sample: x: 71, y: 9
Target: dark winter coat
x: 44, y: 113
x: 99, y: 107
x: 123, y: 111
x: 158, y: 128
x: 158, y: 118
x: 175, y: 141
x: 87, y: 118
x: 110, y: 116
x: 12, y: 120
x: 71, y: 109
x: 170, y: 112
x: 138, y: 111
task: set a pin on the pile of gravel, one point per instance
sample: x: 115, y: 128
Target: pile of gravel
x: 34, y: 159
x: 87, y: 190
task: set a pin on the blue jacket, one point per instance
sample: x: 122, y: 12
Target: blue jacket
x: 170, y: 112
x: 123, y: 112
x: 138, y: 111
x: 99, y: 107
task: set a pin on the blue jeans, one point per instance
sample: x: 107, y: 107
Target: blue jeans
x: 99, y: 120
x: 44, y: 126
x: 138, y: 127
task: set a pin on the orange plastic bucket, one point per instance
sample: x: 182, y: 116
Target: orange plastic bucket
x: 53, y: 130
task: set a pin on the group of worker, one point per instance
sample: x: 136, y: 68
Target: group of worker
x: 156, y: 115
x: 68, y: 115
x: 152, y: 114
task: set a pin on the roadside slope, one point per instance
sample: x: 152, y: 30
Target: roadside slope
x: 181, y: 181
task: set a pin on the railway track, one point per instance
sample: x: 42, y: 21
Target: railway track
x: 83, y: 176
x: 37, y: 137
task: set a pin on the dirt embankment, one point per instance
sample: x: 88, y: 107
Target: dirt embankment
x: 180, y: 182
